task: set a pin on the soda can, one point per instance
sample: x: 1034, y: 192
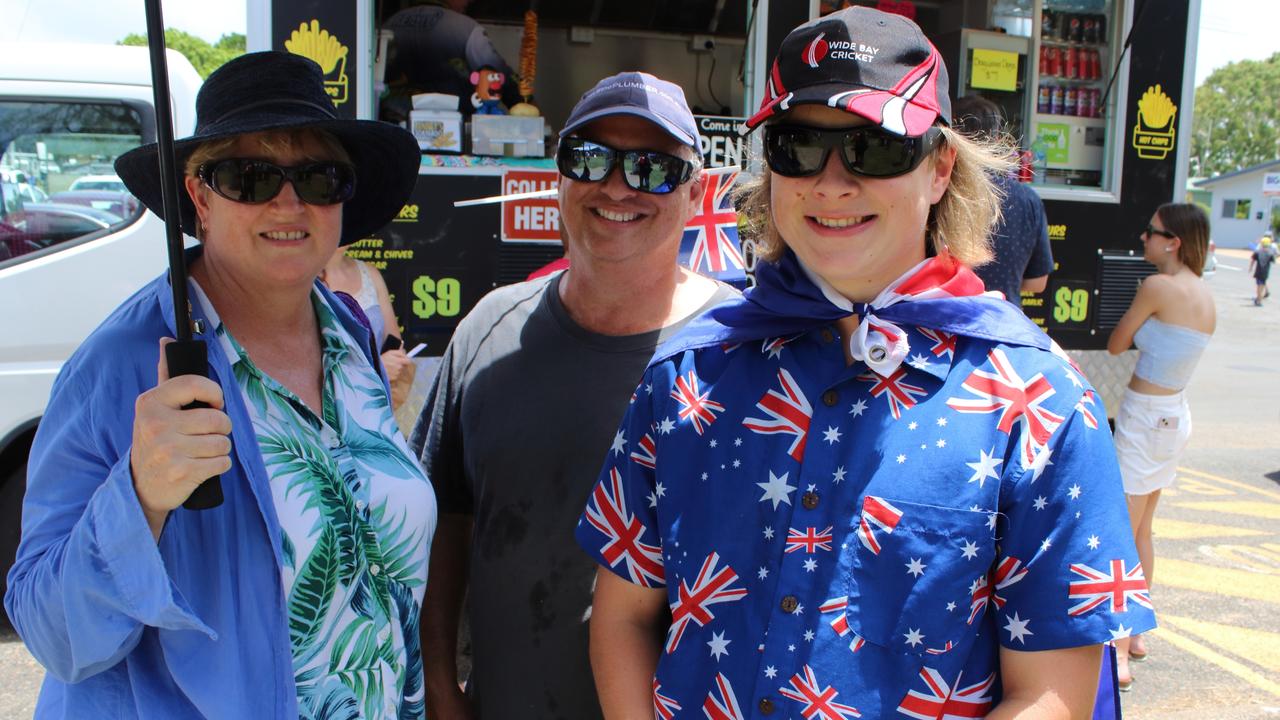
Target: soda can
x: 1097, y: 102
x: 1054, y: 66
x: 1096, y: 64
x: 1075, y: 29
x: 1044, y: 60
x: 1056, y: 100
x: 1090, y: 32
x: 1025, y: 174
x: 1085, y: 108
x: 1046, y: 24
x: 1043, y: 98
x: 1071, y: 63
x: 1071, y: 101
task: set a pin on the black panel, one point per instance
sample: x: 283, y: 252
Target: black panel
x: 1118, y: 280
x: 339, y: 20
x: 438, y: 261
x: 517, y: 260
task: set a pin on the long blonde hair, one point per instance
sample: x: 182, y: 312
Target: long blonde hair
x: 959, y: 224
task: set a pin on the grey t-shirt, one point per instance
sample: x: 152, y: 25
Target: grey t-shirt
x: 523, y: 412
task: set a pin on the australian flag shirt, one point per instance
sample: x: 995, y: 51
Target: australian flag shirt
x: 841, y: 541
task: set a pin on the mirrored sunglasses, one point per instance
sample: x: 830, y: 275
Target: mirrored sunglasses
x: 869, y: 151
x: 251, y: 181
x: 648, y: 171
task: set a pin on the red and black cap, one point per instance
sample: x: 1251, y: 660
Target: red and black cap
x: 874, y: 64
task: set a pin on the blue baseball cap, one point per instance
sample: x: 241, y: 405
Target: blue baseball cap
x: 639, y: 94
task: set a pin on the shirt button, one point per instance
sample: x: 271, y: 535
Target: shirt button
x: 375, y: 569
x: 789, y: 604
x: 766, y: 706
x: 830, y: 398
x: 809, y: 500
x: 827, y: 337
x: 360, y: 504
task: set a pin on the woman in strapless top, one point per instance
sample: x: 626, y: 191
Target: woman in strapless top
x: 1170, y: 321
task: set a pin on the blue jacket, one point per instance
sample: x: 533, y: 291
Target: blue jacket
x: 194, y: 626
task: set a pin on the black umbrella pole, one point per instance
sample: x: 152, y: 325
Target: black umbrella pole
x: 185, y: 356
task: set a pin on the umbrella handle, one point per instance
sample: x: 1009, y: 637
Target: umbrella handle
x: 191, y: 357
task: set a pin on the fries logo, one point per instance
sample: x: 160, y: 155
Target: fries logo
x: 1154, y: 133
x: 310, y: 41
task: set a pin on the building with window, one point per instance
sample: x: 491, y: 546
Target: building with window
x: 1243, y: 204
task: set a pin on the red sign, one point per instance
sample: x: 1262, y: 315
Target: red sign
x: 536, y: 220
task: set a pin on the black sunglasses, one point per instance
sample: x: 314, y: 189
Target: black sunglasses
x: 1153, y: 230
x: 644, y: 170
x: 246, y: 180
x: 801, y: 151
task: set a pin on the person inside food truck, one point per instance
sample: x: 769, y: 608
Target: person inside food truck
x: 436, y: 49
x: 866, y: 488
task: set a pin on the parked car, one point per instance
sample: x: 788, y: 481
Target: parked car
x: 98, y: 182
x: 40, y: 225
x: 32, y: 193
x: 17, y: 191
x: 117, y: 203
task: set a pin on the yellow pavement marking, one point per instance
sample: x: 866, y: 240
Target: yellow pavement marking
x: 1245, y: 486
x: 1207, y: 654
x: 1200, y: 487
x: 1181, y: 530
x: 1252, y: 508
x: 1258, y: 559
x: 1256, y: 646
x: 1219, y: 581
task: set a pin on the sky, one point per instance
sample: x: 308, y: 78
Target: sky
x: 1230, y: 30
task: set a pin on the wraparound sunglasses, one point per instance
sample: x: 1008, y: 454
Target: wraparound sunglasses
x: 867, y: 150
x: 648, y: 171
x: 251, y: 181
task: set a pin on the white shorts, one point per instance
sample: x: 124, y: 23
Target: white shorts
x: 1151, y: 433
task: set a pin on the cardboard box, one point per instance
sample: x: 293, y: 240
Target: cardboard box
x: 507, y: 135
x: 437, y: 131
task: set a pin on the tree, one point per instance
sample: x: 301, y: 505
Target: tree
x: 1237, y: 117
x: 204, y: 57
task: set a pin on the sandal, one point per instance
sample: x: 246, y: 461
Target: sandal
x: 1125, y: 685
x: 1137, y: 657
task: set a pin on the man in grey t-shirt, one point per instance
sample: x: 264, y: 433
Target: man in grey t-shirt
x: 528, y: 399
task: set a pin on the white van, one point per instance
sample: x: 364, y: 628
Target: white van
x: 67, y: 112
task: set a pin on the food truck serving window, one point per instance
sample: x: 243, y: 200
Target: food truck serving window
x: 1074, y: 128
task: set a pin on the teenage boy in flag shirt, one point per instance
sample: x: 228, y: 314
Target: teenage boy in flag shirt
x: 867, y: 489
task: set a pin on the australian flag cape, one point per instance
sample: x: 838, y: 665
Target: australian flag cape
x: 938, y: 294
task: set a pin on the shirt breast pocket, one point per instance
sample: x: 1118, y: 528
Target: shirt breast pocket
x: 918, y: 579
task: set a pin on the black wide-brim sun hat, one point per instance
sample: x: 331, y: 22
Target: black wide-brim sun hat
x: 281, y: 91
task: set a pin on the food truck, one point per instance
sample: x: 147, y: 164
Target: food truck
x: 1096, y: 92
